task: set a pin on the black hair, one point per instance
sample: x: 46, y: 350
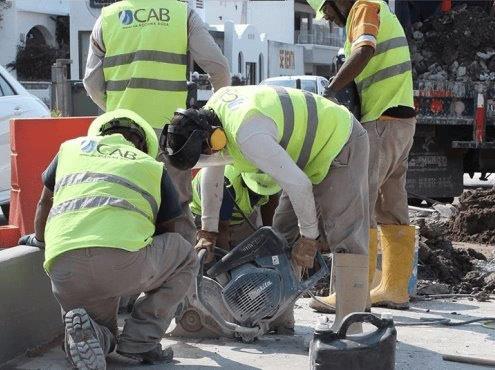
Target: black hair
x: 132, y: 135
x: 210, y: 116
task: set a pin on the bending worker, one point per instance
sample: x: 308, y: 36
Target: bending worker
x: 104, y: 213
x: 378, y: 60
x: 138, y: 59
x: 248, y: 191
x: 314, y: 149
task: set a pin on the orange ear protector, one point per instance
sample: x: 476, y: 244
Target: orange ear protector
x: 214, y: 135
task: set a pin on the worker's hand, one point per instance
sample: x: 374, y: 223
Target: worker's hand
x: 31, y: 240
x: 330, y: 94
x: 206, y: 240
x: 304, y: 252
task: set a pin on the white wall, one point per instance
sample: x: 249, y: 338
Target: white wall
x: 57, y: 7
x: 274, y: 18
x: 82, y: 20
x: 23, y: 15
x: 247, y: 40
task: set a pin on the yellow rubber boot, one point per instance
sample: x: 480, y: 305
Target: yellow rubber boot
x: 327, y: 304
x: 397, y: 242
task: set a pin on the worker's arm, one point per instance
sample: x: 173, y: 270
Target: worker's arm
x: 364, y: 22
x: 352, y: 67
x: 94, y: 80
x: 212, y: 181
x: 42, y: 210
x: 169, y: 208
x: 206, y: 52
x: 257, y: 139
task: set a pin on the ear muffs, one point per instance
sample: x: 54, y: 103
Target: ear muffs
x: 215, y: 136
x: 218, y: 139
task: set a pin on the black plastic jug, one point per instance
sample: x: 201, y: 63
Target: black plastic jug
x: 338, y: 351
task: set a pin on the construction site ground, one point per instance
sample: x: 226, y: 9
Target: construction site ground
x: 417, y: 347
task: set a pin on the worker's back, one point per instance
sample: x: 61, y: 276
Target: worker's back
x: 146, y: 57
x: 106, y: 194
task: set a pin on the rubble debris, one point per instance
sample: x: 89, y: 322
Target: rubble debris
x: 454, y: 48
x: 442, y: 268
x: 475, y: 220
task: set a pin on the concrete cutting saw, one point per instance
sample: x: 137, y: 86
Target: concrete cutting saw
x: 245, y: 289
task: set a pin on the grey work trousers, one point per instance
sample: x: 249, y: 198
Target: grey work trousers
x: 341, y: 200
x: 390, y: 143
x: 95, y: 278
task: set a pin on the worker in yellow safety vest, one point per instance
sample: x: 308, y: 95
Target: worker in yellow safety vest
x: 244, y: 196
x: 138, y: 60
x: 378, y: 61
x: 314, y: 149
x: 106, y: 217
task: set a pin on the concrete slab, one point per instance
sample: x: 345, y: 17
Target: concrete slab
x: 417, y: 348
x: 29, y: 314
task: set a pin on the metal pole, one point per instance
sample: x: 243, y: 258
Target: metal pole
x: 61, y: 90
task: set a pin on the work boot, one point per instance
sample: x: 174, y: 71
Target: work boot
x: 397, y: 243
x: 327, y: 304
x: 284, y: 324
x: 157, y: 355
x: 82, y: 347
x: 351, y: 287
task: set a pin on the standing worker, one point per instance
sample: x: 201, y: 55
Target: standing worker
x: 104, y: 213
x: 244, y: 194
x: 378, y: 60
x: 314, y: 149
x: 138, y: 60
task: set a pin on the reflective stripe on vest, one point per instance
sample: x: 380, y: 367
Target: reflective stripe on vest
x: 310, y: 128
x: 386, y: 81
x: 144, y: 55
x: 145, y: 63
x: 288, y: 110
x: 85, y: 177
x: 93, y: 202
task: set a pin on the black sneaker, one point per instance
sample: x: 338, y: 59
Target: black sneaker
x: 156, y: 356
x: 82, y: 347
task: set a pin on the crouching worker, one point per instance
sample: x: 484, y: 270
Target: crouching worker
x: 103, y: 214
x: 314, y: 149
x: 244, y: 194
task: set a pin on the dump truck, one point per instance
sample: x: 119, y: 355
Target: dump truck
x: 455, y: 134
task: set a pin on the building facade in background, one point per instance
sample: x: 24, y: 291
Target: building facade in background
x: 26, y: 21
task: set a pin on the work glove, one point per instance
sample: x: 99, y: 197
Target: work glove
x: 31, y: 240
x: 206, y: 240
x: 304, y: 252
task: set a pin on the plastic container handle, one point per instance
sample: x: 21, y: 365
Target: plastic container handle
x: 360, y: 317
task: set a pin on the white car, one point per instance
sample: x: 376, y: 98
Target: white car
x: 314, y: 84
x: 15, y: 102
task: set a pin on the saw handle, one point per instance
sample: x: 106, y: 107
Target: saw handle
x: 313, y: 279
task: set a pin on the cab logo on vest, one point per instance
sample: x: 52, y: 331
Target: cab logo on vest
x: 115, y: 152
x: 88, y: 146
x: 126, y: 17
x: 144, y: 17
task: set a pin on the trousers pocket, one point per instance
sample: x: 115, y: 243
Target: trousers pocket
x: 342, y: 159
